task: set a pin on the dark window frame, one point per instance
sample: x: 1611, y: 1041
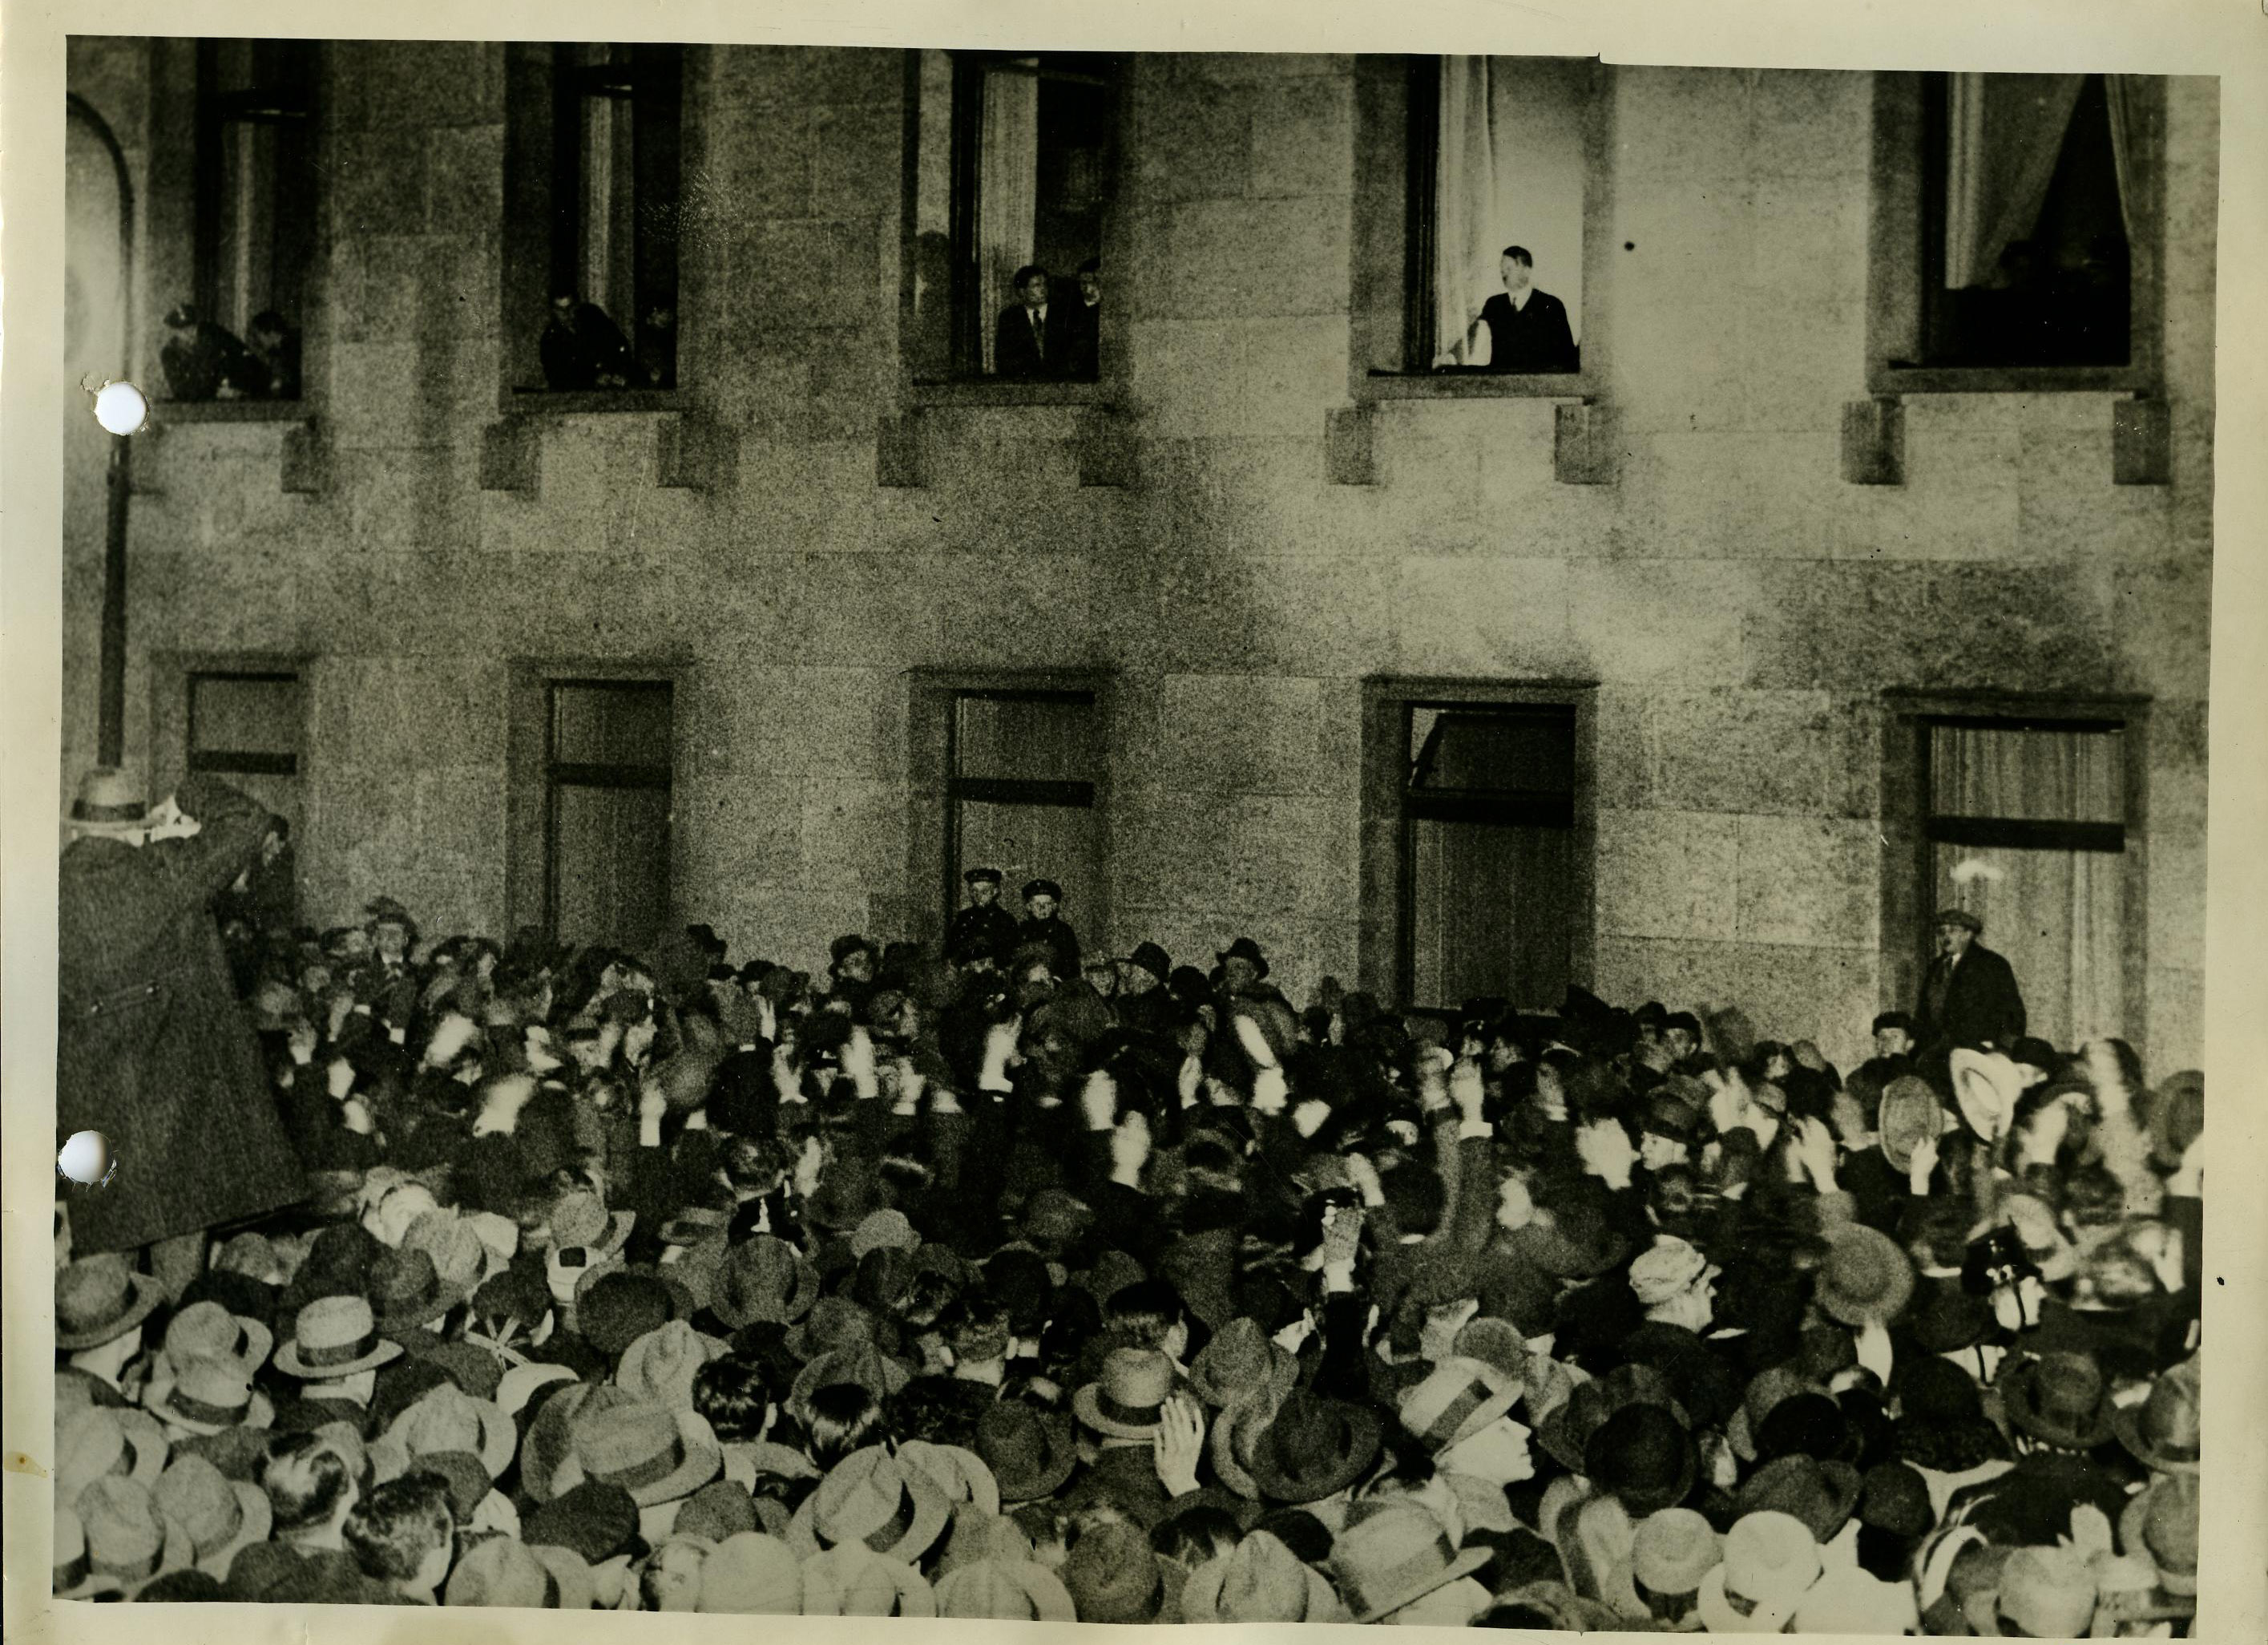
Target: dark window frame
x: 1385, y: 931
x: 534, y: 95
x: 607, y: 778
x: 1013, y: 791
x: 1393, y: 231
x: 964, y: 383
x: 1897, y: 249
x: 242, y: 762
x: 1910, y: 829
x: 936, y: 788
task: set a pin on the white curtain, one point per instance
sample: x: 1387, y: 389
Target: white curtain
x: 2124, y: 94
x: 1007, y: 190
x: 1474, y: 196
x: 2007, y: 132
x: 2058, y: 916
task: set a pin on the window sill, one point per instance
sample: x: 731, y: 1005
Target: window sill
x: 1891, y: 378
x: 543, y: 402
x: 1477, y: 385
x: 1010, y: 391
x: 165, y: 412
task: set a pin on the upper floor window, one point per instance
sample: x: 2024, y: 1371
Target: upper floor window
x: 594, y: 164
x: 2015, y: 226
x: 1014, y: 171
x: 236, y: 334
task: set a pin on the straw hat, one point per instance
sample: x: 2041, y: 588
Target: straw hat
x: 208, y: 1394
x: 1260, y: 1580
x: 873, y: 1498
x: 99, y: 1299
x: 109, y: 802
x: 2160, y: 1524
x: 854, y: 1580
x: 1004, y: 1590
x: 1771, y: 1562
x: 1392, y: 1555
x: 220, y: 1515
x: 335, y: 1336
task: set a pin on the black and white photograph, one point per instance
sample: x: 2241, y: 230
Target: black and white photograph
x: 1135, y: 835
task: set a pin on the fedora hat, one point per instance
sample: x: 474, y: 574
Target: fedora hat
x: 593, y: 1521
x: 1867, y: 1278
x: 208, y: 1394
x: 1567, y: 1431
x: 109, y: 801
x: 765, y: 1280
x: 862, y: 1363
x: 1946, y: 1319
x: 1128, y: 1400
x: 1113, y: 1575
x: 1643, y: 1457
x: 618, y: 1304
x: 1392, y: 1555
x: 208, y: 1327
x: 2160, y: 1524
x: 1820, y: 1495
x: 445, y: 1418
x: 1911, y: 1115
x: 453, y: 1244
x: 1962, y: 917
x: 2048, y: 1592
x: 220, y: 1515
x: 749, y: 1573
x: 2059, y: 1397
x: 873, y: 1498
x: 407, y: 1291
x: 1985, y: 1085
x: 1246, y: 950
x: 661, y: 1364
x: 1004, y: 1590
x: 103, y: 1442
x: 1771, y: 1562
x: 333, y: 1337
x: 1238, y: 1359
x: 1310, y: 1446
x: 955, y: 1470
x: 579, y: 1219
x: 616, y: 1438
x: 1848, y: 1599
x: 1153, y: 959
x: 504, y: 1571
x: 1673, y: 1549
x: 1030, y: 1452
x: 886, y: 1229
x: 99, y: 1299
x: 1260, y: 1580
x: 125, y: 1540
x: 1457, y: 1399
x: 2161, y: 1432
x: 852, y: 1580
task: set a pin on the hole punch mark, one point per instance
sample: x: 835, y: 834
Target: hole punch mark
x: 120, y: 407
x: 86, y: 1160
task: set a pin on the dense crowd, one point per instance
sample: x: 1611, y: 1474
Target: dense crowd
x: 1007, y: 1283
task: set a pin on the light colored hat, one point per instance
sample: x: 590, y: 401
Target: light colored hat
x: 335, y: 1336
x: 1673, y: 1549
x: 1985, y: 1084
x: 220, y: 1515
x: 99, y: 1299
x: 1393, y: 1555
x: 2048, y: 1592
x: 662, y: 1364
x: 883, y: 1230
x: 504, y: 1571
x: 854, y: 1580
x: 1003, y: 1590
x: 1259, y: 1580
x: 960, y: 1472
x: 2160, y: 1525
x: 1458, y: 1399
x: 208, y: 1394
x: 1772, y: 1560
x: 874, y: 1499
x: 99, y: 1441
x: 109, y: 802
x: 128, y: 1541
x: 447, y: 1419
x: 750, y: 1573
x: 207, y: 1327
x: 1669, y: 1268
x: 1848, y: 1599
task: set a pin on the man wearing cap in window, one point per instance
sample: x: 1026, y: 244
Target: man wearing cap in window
x: 154, y: 1050
x: 1044, y: 927
x: 983, y: 926
x: 1969, y: 997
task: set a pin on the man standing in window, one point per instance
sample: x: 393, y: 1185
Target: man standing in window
x: 1969, y: 997
x: 582, y: 348
x: 1044, y: 929
x: 1031, y: 339
x: 1086, y: 323
x: 1527, y: 328
x: 983, y: 924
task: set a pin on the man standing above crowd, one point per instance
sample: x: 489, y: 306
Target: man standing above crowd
x: 1969, y: 997
x: 983, y: 924
x: 1044, y: 928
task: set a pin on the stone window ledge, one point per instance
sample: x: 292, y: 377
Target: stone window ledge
x: 165, y: 412
x: 980, y: 391
x: 1476, y: 385
x: 583, y: 402
x: 1886, y: 379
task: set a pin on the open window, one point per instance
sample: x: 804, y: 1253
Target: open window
x: 2016, y: 241
x: 1014, y: 172
x: 594, y: 181
x: 1477, y: 879
x: 236, y: 333
x: 1480, y: 217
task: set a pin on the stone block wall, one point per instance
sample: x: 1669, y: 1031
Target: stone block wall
x: 1739, y: 607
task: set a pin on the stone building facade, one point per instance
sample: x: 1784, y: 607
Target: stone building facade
x: 1239, y: 536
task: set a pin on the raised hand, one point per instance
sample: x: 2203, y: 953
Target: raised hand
x: 1129, y: 1148
x: 1179, y: 1443
x: 1098, y: 1100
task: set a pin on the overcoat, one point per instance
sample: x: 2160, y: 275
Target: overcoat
x: 153, y: 1048
x: 1971, y: 1002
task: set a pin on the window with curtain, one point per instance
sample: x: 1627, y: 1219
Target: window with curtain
x: 2030, y: 199
x: 1488, y: 843
x: 1499, y: 157
x: 1021, y: 796
x: 595, y: 157
x: 606, y: 810
x: 1014, y: 170
x: 237, y: 335
x: 2027, y: 825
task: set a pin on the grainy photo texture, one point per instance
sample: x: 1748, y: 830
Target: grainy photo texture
x: 1135, y: 838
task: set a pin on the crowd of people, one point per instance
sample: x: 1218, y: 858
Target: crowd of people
x: 1009, y: 1282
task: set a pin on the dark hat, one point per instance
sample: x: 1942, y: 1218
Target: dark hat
x: 1805, y: 1425
x: 843, y: 947
x: 1153, y: 959
x: 974, y: 876
x: 1041, y: 888
x: 1246, y: 950
x: 1239, y: 1359
x: 1893, y: 1020
x: 1031, y: 1452
x: 1895, y: 1497
x: 1960, y: 916
x: 614, y: 1307
x: 1671, y: 1116
x: 1113, y: 1575
x: 1820, y: 1494
x: 1565, y: 1432
x: 2162, y: 1432
x: 1643, y: 1456
x: 594, y: 1520
x: 1313, y: 1446
x: 2059, y: 1397
x: 1127, y: 1400
x: 1945, y: 1319
x: 1866, y: 1277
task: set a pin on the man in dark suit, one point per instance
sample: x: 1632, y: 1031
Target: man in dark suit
x: 983, y: 923
x: 1527, y: 329
x: 1044, y: 928
x: 1084, y: 323
x: 1969, y: 997
x: 1033, y: 336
